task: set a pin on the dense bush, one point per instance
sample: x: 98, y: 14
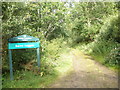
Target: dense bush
x: 87, y: 24
x: 110, y: 29
x: 50, y: 54
x: 106, y: 45
x: 114, y: 57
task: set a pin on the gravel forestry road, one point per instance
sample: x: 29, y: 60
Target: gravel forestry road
x: 87, y: 73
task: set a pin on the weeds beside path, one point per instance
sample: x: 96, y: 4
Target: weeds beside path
x: 87, y: 73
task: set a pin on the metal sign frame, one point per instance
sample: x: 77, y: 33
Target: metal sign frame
x: 28, y: 45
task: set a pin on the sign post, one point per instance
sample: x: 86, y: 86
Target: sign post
x: 23, y: 45
x: 38, y: 56
x: 10, y: 61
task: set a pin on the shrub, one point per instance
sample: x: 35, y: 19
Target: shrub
x: 110, y: 30
x: 113, y: 57
x: 50, y: 55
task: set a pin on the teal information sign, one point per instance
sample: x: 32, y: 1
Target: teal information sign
x: 14, y: 45
x: 23, y: 45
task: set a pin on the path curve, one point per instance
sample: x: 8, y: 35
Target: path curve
x: 87, y: 73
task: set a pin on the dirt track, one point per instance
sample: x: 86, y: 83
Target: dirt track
x: 87, y: 73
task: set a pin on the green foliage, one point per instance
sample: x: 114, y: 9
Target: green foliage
x: 88, y: 18
x: 20, y: 57
x: 103, y: 47
x: 113, y: 58
x: 51, y: 54
x: 109, y: 36
x: 110, y: 29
